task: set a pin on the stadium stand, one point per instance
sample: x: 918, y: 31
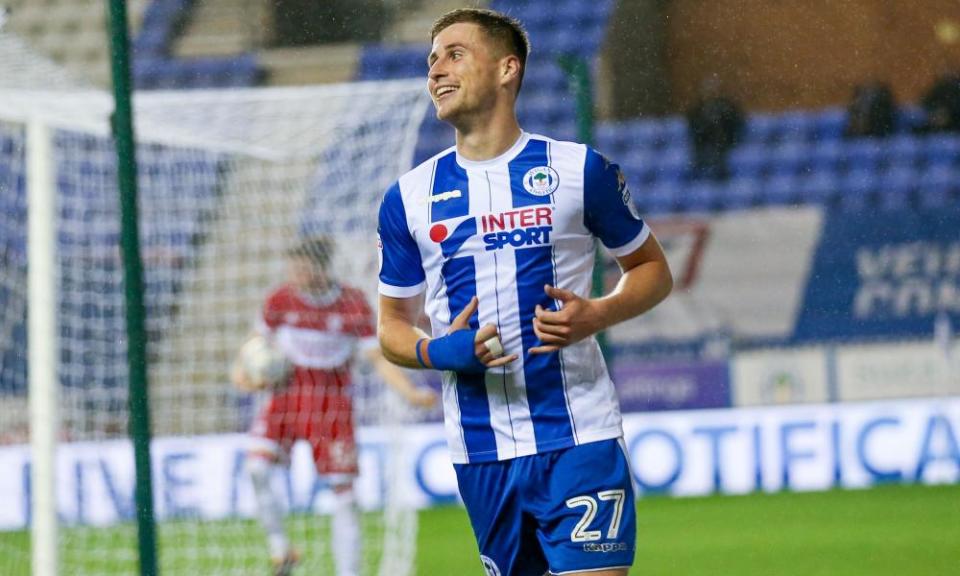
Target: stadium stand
x: 786, y: 159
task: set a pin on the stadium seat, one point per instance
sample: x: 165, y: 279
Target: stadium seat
x: 900, y: 176
x: 740, y: 193
x: 827, y: 156
x: 789, y: 157
x: 939, y: 187
x: 795, y: 127
x: 748, y: 161
x: 862, y: 154
x: 780, y: 190
x: 672, y: 164
x: 939, y: 149
x: 859, y: 190
x: 822, y: 188
x: 901, y: 148
x: 910, y: 117
x: 673, y: 128
x: 661, y: 198
x: 701, y: 196
x: 829, y: 124
x: 761, y: 129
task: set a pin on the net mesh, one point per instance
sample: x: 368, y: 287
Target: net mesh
x: 228, y: 181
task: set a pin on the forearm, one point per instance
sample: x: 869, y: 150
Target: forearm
x: 391, y: 374
x: 639, y: 289
x: 398, y: 340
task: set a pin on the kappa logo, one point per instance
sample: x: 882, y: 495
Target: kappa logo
x: 448, y: 195
x: 541, y: 181
x: 489, y: 566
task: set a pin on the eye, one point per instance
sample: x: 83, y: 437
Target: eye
x: 456, y: 55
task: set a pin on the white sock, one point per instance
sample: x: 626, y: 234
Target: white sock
x: 269, y: 511
x: 346, y: 534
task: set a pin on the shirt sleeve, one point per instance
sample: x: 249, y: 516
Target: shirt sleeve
x: 270, y: 316
x: 366, y: 325
x: 401, y: 269
x: 608, y: 209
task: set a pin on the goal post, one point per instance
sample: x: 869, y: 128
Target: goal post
x: 42, y: 345
x: 228, y: 181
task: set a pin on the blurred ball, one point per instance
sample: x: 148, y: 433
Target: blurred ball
x: 264, y: 365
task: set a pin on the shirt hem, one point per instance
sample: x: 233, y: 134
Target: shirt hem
x: 584, y: 438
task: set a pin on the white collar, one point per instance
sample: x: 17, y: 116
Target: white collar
x: 502, y: 158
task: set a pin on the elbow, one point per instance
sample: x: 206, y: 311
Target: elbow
x: 385, y: 350
x: 666, y: 282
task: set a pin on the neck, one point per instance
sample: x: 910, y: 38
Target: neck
x: 488, y: 137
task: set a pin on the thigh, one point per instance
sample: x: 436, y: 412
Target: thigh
x: 506, y: 536
x: 331, y: 436
x: 273, y: 421
x: 585, y: 509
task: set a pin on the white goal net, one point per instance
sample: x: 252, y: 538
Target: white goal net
x: 228, y: 182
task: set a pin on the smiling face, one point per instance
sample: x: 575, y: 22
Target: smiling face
x: 465, y: 77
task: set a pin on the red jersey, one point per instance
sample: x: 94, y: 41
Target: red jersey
x: 318, y: 335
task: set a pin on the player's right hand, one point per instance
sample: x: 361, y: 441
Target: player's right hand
x: 485, y: 333
x: 421, y: 397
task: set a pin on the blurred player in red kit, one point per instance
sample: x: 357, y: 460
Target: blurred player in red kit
x: 319, y: 325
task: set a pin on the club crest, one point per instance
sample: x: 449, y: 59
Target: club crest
x: 541, y: 181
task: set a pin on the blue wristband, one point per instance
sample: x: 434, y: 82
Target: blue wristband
x: 455, y: 352
x: 419, y: 354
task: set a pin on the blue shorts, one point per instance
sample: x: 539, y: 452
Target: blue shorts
x: 564, y: 511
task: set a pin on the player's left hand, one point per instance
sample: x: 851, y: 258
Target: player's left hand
x: 577, y: 319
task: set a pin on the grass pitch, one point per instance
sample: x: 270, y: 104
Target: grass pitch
x: 886, y: 531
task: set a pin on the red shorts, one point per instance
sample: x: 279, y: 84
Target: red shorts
x: 322, y: 417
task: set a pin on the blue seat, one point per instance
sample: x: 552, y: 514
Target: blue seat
x: 829, y: 124
x: 939, y: 187
x: 895, y: 199
x: 780, y: 190
x: 796, y: 126
x: 673, y: 129
x: 859, y: 190
x: 701, y: 196
x: 862, y: 154
x: 642, y: 133
x: 910, y: 117
x: 748, y: 161
x: 827, y: 156
x: 566, y: 40
x: 822, y: 188
x: 661, y: 198
x: 790, y: 157
x: 941, y: 149
x: 900, y: 176
x: 901, y: 148
x: 740, y: 193
x: 761, y: 129
x: 673, y: 164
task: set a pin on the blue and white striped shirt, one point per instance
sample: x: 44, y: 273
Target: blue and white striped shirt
x: 501, y: 229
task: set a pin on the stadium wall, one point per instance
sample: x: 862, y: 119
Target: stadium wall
x: 809, y: 53
x: 682, y: 453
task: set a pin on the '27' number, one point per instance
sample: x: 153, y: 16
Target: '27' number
x: 580, y: 532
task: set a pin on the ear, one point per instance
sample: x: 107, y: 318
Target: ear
x: 510, y: 69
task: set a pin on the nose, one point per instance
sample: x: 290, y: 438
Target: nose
x: 437, y: 70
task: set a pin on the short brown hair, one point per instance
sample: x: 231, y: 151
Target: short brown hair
x: 504, y: 30
x: 317, y: 249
